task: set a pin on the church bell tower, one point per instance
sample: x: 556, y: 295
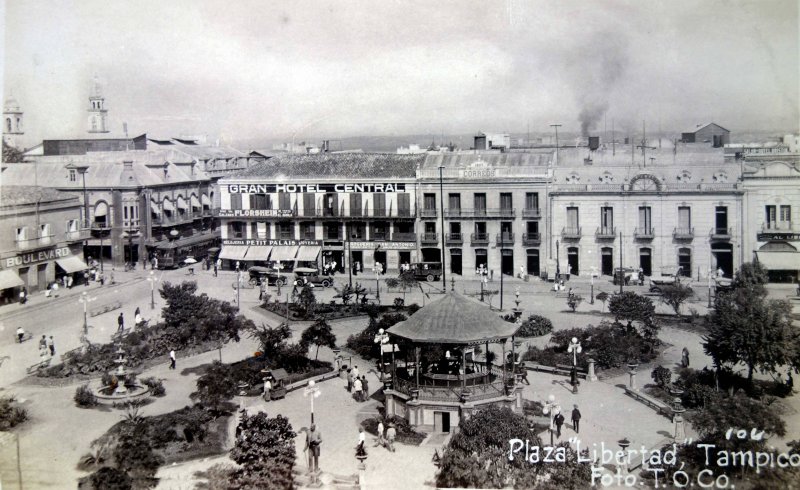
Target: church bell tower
x: 97, y: 110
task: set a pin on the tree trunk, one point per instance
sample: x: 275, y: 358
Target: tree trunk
x: 750, y: 374
x: 316, y: 356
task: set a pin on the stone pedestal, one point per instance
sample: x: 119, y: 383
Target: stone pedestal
x: 680, y: 429
x: 591, y: 376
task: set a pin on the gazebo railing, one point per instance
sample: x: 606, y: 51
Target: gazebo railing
x: 451, y: 393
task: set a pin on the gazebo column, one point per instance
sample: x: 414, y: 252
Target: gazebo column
x: 416, y: 370
x: 513, y: 360
x: 488, y: 369
x: 464, y: 369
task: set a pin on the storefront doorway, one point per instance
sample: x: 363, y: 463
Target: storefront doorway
x: 572, y: 261
x: 358, y: 261
x: 431, y: 255
x: 507, y: 262
x: 723, y: 253
x: 607, y: 261
x: 455, y: 261
x: 533, y: 262
x: 379, y: 257
x: 404, y: 257
x: 645, y: 261
x: 481, y: 258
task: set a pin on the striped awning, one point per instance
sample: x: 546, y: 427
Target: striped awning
x: 181, y: 203
x: 9, y: 279
x: 779, y: 261
x: 233, y: 252
x: 72, y: 264
x: 155, y: 206
x: 205, y: 200
x: 195, y: 202
x: 308, y: 253
x: 168, y: 206
x: 284, y: 253
x: 258, y: 252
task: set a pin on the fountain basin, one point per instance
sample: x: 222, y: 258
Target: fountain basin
x: 106, y: 394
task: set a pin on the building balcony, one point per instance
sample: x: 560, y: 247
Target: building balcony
x: 779, y: 227
x: 289, y: 236
x: 683, y: 233
x: 379, y: 236
x: 606, y: 233
x: 644, y: 233
x: 429, y: 238
x: 571, y: 232
x: 504, y: 239
x: 721, y: 233
x: 454, y: 239
x: 535, y: 213
x: 101, y: 225
x: 34, y: 243
x: 480, y: 213
x: 404, y: 237
x: 428, y: 213
x: 453, y: 213
x: 478, y: 239
x: 529, y: 239
x: 78, y: 235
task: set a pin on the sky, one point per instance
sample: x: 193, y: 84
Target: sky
x: 290, y: 69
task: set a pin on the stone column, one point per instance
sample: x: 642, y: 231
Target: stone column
x: 632, y: 372
x: 591, y: 376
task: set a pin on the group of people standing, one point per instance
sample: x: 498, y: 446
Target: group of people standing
x: 47, y: 348
x: 357, y: 384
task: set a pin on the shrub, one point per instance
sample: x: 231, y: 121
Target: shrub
x: 108, y: 478
x: 535, y: 326
x: 84, y: 396
x: 215, y: 386
x: 412, y: 308
x: 10, y: 414
x: 662, y: 376
x: 573, y: 300
x: 405, y: 432
x: 155, y: 385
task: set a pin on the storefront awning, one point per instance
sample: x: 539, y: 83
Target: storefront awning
x: 308, y: 253
x: 258, y: 252
x: 205, y: 200
x: 233, y: 252
x: 195, y: 202
x: 780, y: 261
x: 155, y: 206
x: 9, y: 279
x: 100, y: 209
x: 181, y: 203
x: 168, y: 205
x: 72, y: 264
x: 284, y: 253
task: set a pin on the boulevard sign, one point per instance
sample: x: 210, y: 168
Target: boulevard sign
x: 35, y: 257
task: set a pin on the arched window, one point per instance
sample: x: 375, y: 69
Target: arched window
x: 101, y: 214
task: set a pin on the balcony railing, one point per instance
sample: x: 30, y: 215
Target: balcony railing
x: 479, y: 239
x: 32, y: 243
x: 101, y: 225
x: 571, y: 232
x: 283, y: 236
x: 478, y: 213
x: 404, y: 237
x: 430, y: 238
x: 683, y: 233
x: 778, y: 227
x: 454, y: 238
x: 531, y: 238
x: 532, y: 213
x: 428, y: 213
x: 76, y: 235
x: 504, y: 239
x: 606, y: 232
x: 452, y: 213
x: 379, y: 235
x: 644, y: 233
x: 721, y: 233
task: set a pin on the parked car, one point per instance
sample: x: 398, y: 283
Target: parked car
x: 313, y: 276
x: 261, y: 275
x: 667, y: 277
x: 430, y: 271
x: 626, y: 274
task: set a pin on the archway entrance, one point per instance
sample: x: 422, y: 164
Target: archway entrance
x: 455, y: 260
x: 533, y: 262
x: 607, y: 261
x: 572, y: 261
x: 646, y: 261
x: 723, y: 255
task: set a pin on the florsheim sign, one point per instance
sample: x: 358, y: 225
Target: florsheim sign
x: 293, y: 188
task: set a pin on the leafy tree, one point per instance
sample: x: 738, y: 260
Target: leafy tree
x: 191, y: 318
x: 662, y: 376
x: 751, y: 274
x: 535, y: 326
x: 748, y: 328
x: 272, y: 340
x: 477, y: 456
x: 602, y: 296
x: 573, y: 300
x: 319, y: 334
x: 405, y: 281
x: 134, y: 454
x: 675, y: 295
x: 631, y: 307
x: 215, y: 386
x: 265, y: 449
x: 12, y: 154
x: 307, y: 300
x: 108, y: 478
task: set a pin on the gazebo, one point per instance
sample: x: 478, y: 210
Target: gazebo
x: 439, y: 380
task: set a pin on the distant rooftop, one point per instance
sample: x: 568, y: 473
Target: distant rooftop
x: 21, y: 195
x: 342, y: 165
x: 686, y: 154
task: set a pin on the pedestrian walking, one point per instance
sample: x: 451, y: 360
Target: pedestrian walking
x: 138, y: 321
x: 391, y: 434
x: 362, y: 440
x: 355, y: 371
x: 365, y: 387
x: 381, y: 439
x: 55, y: 289
x: 52, y: 346
x: 43, y: 342
x: 120, y: 323
x: 357, y: 387
x: 267, y: 390
x: 576, y: 418
x: 349, y: 380
x: 20, y: 334
x: 237, y: 266
x: 44, y: 355
x: 524, y: 373
x: 215, y: 269
x: 559, y: 420
x: 172, y: 359
x: 685, y: 357
x: 23, y: 296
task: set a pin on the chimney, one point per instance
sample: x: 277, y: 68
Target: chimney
x: 594, y: 143
x: 127, y: 177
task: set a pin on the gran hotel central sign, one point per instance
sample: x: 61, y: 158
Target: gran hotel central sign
x: 292, y: 188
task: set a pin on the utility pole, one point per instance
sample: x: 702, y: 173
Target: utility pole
x: 556, y: 126
x: 613, y: 139
x: 621, y: 268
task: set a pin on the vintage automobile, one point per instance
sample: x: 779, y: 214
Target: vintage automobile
x: 263, y: 275
x: 626, y: 274
x: 313, y: 276
x: 430, y: 271
x: 669, y: 276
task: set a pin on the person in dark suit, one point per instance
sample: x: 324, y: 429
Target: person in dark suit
x: 576, y: 418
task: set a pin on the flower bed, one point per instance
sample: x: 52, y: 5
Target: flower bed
x: 405, y: 433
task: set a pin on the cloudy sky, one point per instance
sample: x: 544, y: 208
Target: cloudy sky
x: 343, y: 68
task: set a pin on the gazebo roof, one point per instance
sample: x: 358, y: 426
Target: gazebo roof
x: 454, y: 319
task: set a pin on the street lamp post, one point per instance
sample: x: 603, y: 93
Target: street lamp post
x: 85, y: 299
x: 482, y: 273
x: 312, y: 391
x: 551, y: 408
x: 621, y: 268
x: 152, y: 280
x: 591, y: 294
x: 575, y: 348
x: 558, y: 261
x: 377, y: 284
x: 382, y: 338
x: 238, y: 289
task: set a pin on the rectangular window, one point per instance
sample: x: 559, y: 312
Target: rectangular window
x: 45, y: 230
x: 480, y: 230
x: 532, y: 227
x: 572, y: 219
x: 262, y: 230
x: 358, y: 231
x: 480, y: 202
x: 786, y: 215
x: 454, y: 202
x: 455, y: 228
x: 307, y: 231
x: 258, y: 201
x: 429, y: 201
x: 356, y: 206
x: 125, y: 212
x: 531, y: 200
x: 236, y: 201
x: 771, y: 215
x: 430, y: 227
x: 285, y: 230
x: 73, y: 175
x: 685, y: 218
x: 379, y: 204
x: 309, y: 204
x: 645, y: 220
x: 403, y: 205
x: 236, y: 229
x: 331, y: 231
x: 284, y: 201
x: 22, y: 234
x: 253, y: 231
x: 379, y: 231
x: 505, y: 229
x: 505, y: 200
x: 607, y: 220
x: 721, y: 220
x: 72, y: 225
x: 330, y: 204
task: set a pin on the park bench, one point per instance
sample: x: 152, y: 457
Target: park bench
x: 105, y: 308
x: 650, y: 401
x: 39, y: 365
x: 568, y: 369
